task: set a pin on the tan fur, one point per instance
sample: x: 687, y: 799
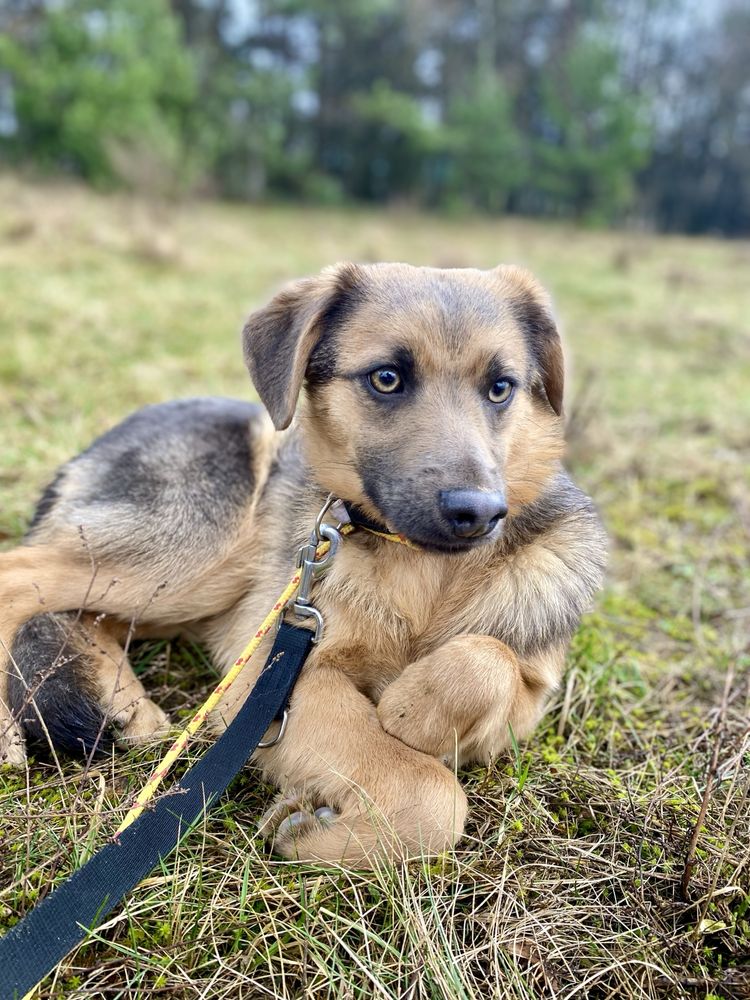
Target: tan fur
x: 410, y: 674
x: 122, y: 697
x: 458, y: 702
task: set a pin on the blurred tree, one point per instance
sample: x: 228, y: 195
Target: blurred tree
x: 104, y: 90
x: 594, y: 109
x: 393, y: 143
x: 487, y: 159
x: 243, y: 120
x: 589, y: 137
x: 697, y: 178
x: 361, y: 115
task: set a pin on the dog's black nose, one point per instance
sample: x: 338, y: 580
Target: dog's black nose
x: 472, y: 513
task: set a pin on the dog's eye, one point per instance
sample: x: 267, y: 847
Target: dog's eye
x: 501, y: 391
x: 385, y: 380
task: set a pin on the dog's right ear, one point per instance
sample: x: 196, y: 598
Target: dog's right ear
x: 279, y: 339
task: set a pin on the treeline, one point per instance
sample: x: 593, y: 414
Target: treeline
x: 602, y: 110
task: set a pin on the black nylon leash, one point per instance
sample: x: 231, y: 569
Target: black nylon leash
x: 31, y: 949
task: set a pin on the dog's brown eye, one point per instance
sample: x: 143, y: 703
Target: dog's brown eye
x: 385, y: 380
x: 501, y: 391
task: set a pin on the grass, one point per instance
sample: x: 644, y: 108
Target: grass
x: 568, y: 884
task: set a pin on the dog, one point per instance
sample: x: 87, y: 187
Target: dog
x: 431, y: 401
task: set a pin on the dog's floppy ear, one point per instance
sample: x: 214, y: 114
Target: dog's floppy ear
x: 532, y: 309
x: 278, y: 339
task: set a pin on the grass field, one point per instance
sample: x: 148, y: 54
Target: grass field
x: 569, y: 882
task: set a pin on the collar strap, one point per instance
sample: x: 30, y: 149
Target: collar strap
x: 360, y: 520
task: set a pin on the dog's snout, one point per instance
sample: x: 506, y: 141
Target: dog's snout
x: 472, y: 513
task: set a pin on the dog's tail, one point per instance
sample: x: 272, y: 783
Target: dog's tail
x: 51, y: 686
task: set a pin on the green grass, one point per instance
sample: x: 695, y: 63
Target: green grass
x: 568, y: 884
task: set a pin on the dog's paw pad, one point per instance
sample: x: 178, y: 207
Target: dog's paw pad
x: 290, y: 819
x: 280, y: 809
x: 301, y: 821
x: 326, y: 815
x: 292, y: 823
x: 293, y: 832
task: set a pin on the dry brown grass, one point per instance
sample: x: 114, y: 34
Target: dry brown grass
x: 570, y: 883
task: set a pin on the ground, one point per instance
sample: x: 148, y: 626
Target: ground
x: 570, y: 881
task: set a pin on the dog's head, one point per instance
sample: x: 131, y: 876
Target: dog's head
x: 433, y: 397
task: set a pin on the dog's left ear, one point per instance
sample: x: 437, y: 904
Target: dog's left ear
x: 532, y: 309
x: 279, y: 339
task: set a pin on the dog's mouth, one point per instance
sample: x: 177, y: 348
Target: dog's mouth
x: 423, y: 537
x: 454, y: 546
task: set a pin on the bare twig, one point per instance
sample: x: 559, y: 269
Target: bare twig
x: 711, y: 777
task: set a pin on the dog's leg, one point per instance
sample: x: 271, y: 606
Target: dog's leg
x: 71, y: 684
x: 121, y: 696
x: 351, y: 792
x: 12, y: 749
x: 19, y: 601
x: 44, y: 579
x: 460, y: 702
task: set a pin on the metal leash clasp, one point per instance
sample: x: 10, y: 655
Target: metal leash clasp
x: 312, y: 567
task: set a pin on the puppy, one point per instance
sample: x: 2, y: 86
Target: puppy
x: 431, y: 401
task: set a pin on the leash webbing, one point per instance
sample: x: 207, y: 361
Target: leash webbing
x: 31, y: 949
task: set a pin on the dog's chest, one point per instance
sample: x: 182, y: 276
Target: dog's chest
x: 382, y: 614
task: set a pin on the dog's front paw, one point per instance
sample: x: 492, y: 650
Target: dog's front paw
x: 419, y: 721
x: 290, y: 819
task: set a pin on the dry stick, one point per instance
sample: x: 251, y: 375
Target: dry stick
x: 711, y: 776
